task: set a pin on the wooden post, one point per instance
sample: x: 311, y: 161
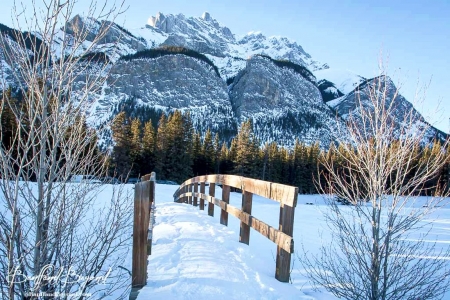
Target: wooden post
x: 283, y: 264
x: 202, y: 191
x: 151, y: 212
x: 189, y: 189
x: 195, y: 191
x: 225, y: 198
x: 140, y: 233
x: 244, y: 235
x: 212, y: 193
x: 185, y: 190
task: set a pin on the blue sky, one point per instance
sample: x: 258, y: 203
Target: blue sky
x: 414, y: 36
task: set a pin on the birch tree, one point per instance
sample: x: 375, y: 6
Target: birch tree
x: 376, y: 251
x: 48, y: 225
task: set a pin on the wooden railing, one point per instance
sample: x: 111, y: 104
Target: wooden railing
x: 284, y: 194
x: 144, y: 209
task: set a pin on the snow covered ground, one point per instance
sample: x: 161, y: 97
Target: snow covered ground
x: 195, y: 257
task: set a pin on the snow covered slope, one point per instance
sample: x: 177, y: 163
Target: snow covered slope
x: 284, y: 106
x: 283, y: 103
x: 172, y: 82
x: 402, y: 114
x: 206, y: 35
x: 344, y: 80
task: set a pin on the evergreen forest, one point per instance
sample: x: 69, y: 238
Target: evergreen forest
x: 176, y: 152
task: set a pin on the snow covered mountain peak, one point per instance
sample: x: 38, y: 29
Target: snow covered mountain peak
x: 206, y: 16
x: 204, y: 26
x: 173, y: 61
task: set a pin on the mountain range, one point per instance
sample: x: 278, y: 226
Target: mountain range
x: 196, y: 64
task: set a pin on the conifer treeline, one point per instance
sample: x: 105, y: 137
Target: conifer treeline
x: 177, y: 152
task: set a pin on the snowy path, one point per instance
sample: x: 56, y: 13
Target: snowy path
x: 195, y: 257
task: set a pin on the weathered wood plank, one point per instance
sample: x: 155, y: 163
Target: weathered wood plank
x: 152, y: 199
x: 195, y: 191
x: 185, y: 190
x: 283, y: 262
x: 212, y: 193
x: 226, y: 199
x: 244, y: 234
x: 189, y: 189
x: 202, y: 191
x: 140, y: 234
x: 284, y: 194
x: 146, y: 177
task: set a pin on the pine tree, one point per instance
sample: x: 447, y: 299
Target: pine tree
x: 148, y: 148
x: 313, y: 156
x: 188, y: 135
x: 246, y: 151
x: 121, y: 132
x: 178, y: 162
x: 197, y: 156
x: 264, y: 156
x: 232, y: 153
x: 225, y: 163
x: 299, y: 166
x: 161, y: 147
x: 217, y: 153
x: 136, y: 147
x: 283, y: 156
x: 209, y: 153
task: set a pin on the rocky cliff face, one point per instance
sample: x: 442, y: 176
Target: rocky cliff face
x: 207, y: 36
x: 116, y: 42
x: 267, y: 79
x: 401, y: 111
x: 172, y: 82
x: 204, y: 35
x: 283, y: 104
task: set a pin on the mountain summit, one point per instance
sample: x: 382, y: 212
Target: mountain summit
x: 197, y: 64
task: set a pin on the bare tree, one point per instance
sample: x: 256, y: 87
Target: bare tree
x: 376, y: 251
x: 49, y: 226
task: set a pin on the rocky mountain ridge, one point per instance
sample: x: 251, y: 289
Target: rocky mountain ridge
x: 221, y: 79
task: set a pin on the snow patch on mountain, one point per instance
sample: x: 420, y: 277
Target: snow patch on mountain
x: 206, y: 35
x: 344, y: 80
x: 284, y: 100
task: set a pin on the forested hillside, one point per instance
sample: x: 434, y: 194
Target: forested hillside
x: 176, y: 151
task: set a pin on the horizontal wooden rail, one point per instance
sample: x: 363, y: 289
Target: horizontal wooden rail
x: 283, y: 240
x: 284, y: 194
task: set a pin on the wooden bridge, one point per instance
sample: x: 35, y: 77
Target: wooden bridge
x: 193, y: 191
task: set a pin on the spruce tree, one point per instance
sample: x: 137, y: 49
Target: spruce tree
x: 198, y: 160
x: 121, y: 133
x: 136, y: 147
x: 217, y: 153
x: 148, y: 149
x: 188, y: 135
x: 161, y: 147
x: 246, y: 151
x: 209, y: 153
x: 178, y: 162
x: 225, y: 163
